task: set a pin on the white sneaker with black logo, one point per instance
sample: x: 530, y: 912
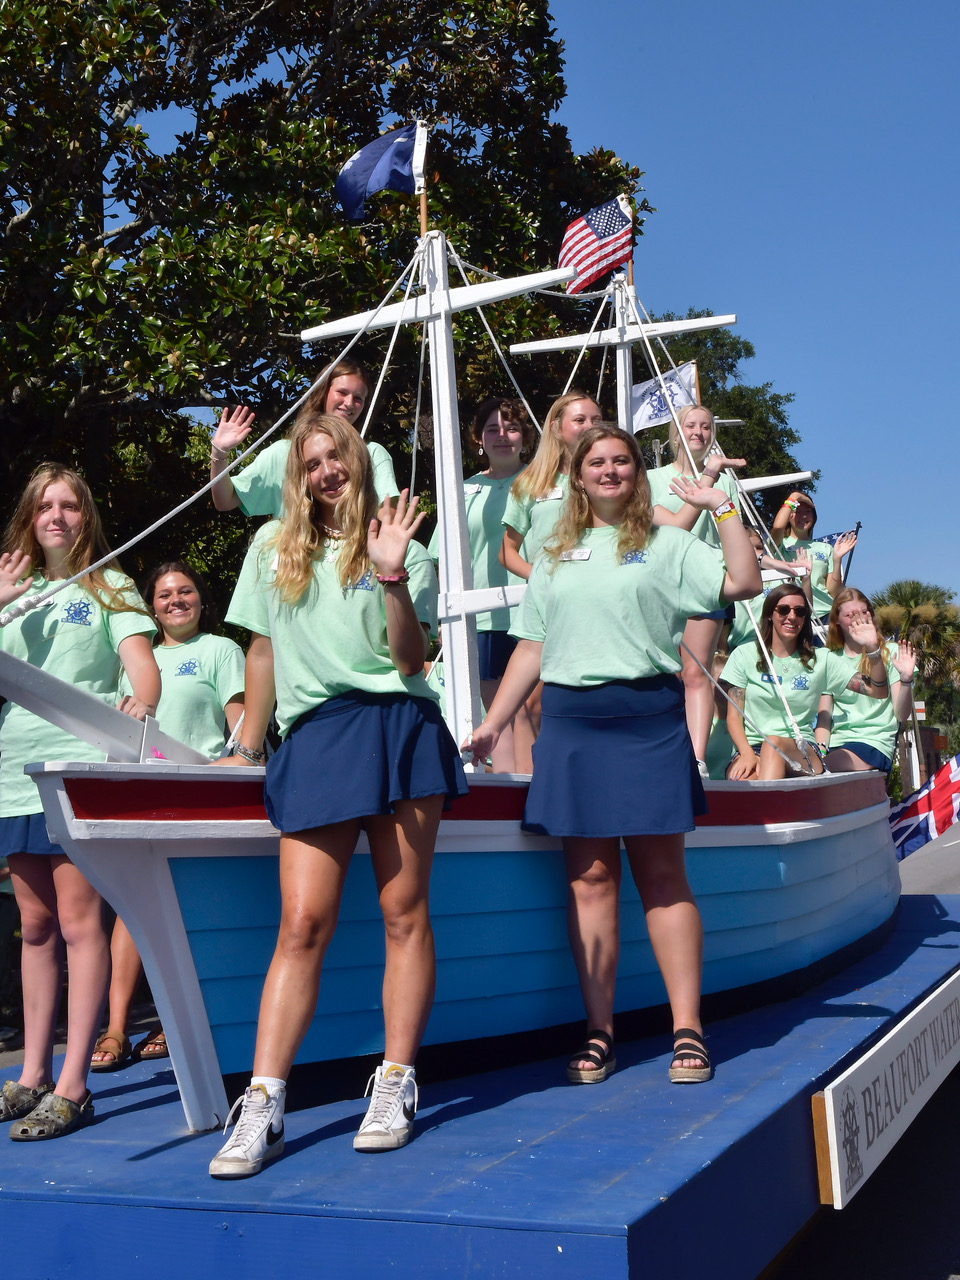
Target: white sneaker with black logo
x: 255, y: 1138
x: 388, y: 1123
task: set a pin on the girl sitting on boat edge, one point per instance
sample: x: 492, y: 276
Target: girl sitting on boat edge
x: 614, y: 759
x: 338, y: 640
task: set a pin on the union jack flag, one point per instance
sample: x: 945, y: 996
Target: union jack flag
x: 928, y: 812
x: 597, y: 242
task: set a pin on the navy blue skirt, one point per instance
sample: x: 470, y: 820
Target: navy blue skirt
x: 357, y: 755
x: 493, y: 651
x: 26, y: 835
x: 614, y: 760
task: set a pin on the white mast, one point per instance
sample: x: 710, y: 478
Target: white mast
x: 621, y: 337
x: 459, y: 603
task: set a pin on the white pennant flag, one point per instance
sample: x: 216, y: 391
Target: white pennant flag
x: 650, y: 407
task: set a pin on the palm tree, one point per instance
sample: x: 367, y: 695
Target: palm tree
x: 925, y: 615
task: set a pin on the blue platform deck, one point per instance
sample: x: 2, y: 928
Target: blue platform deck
x: 512, y: 1174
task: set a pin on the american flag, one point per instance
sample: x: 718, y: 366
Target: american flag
x: 928, y: 812
x: 597, y: 242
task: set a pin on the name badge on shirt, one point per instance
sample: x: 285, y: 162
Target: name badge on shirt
x: 578, y: 553
x: 551, y: 497
x: 469, y: 489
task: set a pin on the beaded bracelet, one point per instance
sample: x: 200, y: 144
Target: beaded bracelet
x: 393, y: 580
x: 249, y: 753
x: 875, y: 653
x: 724, y: 511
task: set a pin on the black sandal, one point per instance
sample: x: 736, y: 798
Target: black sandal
x: 605, y: 1061
x: 688, y: 1043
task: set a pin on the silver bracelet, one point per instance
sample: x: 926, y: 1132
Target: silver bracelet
x: 249, y: 753
x: 874, y: 654
x: 217, y: 454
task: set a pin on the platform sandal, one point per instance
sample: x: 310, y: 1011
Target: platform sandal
x: 52, y: 1117
x: 688, y: 1043
x: 605, y: 1061
x: 120, y: 1055
x: 17, y: 1100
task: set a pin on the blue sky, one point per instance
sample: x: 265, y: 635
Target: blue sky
x: 804, y: 163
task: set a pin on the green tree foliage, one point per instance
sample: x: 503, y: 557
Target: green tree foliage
x: 140, y: 281
x: 925, y: 614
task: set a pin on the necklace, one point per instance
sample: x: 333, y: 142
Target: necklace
x: 335, y: 534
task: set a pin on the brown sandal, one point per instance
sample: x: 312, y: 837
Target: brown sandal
x: 154, y: 1046
x: 119, y: 1056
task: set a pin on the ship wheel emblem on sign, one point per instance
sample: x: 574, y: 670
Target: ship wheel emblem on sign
x: 851, y: 1139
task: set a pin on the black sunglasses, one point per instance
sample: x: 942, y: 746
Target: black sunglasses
x: 784, y: 610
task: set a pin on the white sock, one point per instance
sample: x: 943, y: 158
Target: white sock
x: 274, y: 1087
x: 387, y: 1064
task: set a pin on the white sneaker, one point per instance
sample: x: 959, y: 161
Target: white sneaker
x: 254, y: 1138
x: 388, y: 1123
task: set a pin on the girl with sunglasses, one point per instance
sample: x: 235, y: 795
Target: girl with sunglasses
x: 804, y: 674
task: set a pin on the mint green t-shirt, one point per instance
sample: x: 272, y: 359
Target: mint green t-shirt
x: 199, y: 677
x: 661, y: 495
x: 742, y: 629
x: 802, y: 686
x: 535, y: 518
x: 821, y: 557
x: 75, y: 639
x: 259, y: 486
x: 857, y: 718
x: 485, y: 500
x: 602, y: 617
x: 332, y: 640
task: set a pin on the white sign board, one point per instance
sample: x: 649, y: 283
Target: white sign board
x: 869, y: 1108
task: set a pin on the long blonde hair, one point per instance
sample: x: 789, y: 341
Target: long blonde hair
x: 300, y: 537
x: 676, y: 448
x: 634, y: 530
x: 539, y: 478
x: 90, y: 544
x: 835, y: 632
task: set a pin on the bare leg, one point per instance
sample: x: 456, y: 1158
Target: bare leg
x: 313, y: 867
x: 840, y: 760
x: 773, y: 765
x: 673, y: 923
x: 700, y: 635
x: 401, y: 847
x: 80, y: 913
x: 125, y: 970
x: 41, y: 963
x: 526, y: 726
x: 593, y: 925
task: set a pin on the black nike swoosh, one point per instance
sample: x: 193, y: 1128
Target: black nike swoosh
x: 274, y: 1135
x: 408, y: 1111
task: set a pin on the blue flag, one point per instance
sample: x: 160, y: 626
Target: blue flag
x: 386, y: 164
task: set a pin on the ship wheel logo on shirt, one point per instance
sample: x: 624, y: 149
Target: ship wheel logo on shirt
x: 633, y: 557
x: 78, y: 612
x: 801, y: 682
x: 191, y: 667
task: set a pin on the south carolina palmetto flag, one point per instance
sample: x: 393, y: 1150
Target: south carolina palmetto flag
x: 598, y: 242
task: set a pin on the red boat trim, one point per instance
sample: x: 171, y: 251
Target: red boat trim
x: 167, y: 799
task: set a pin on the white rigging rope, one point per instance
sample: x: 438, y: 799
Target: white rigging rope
x: 583, y: 349
x: 411, y: 272
x: 43, y: 598
x: 415, y: 443
x: 459, y: 264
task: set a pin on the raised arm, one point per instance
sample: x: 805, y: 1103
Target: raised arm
x: 233, y: 428
x: 842, y: 547
x: 387, y: 541
x: 742, y: 580
x: 906, y: 664
x: 687, y: 516
x: 778, y: 530
x: 15, y: 576
x: 875, y: 685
